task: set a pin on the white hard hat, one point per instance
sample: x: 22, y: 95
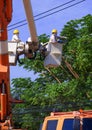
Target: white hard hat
x: 29, y: 39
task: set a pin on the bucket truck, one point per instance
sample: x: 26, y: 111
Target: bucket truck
x: 9, y: 53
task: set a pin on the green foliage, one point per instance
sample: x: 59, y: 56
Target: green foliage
x: 58, y: 88
x: 43, y: 38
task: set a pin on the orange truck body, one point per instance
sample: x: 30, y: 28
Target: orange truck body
x: 5, y: 97
x: 5, y: 106
x: 68, y: 121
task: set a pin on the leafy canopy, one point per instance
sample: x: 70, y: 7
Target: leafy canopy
x: 57, y: 88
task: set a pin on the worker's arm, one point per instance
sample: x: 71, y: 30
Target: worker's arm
x: 63, y: 37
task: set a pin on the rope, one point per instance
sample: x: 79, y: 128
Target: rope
x: 53, y: 75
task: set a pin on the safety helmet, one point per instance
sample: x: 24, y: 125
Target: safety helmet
x: 16, y: 31
x: 54, y: 31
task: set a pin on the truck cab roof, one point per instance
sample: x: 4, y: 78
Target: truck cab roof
x: 68, y: 120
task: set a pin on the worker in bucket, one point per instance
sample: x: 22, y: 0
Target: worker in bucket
x: 15, y: 37
x: 56, y: 39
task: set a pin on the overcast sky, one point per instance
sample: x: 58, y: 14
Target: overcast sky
x: 45, y: 25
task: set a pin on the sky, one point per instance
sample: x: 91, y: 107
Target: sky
x: 44, y: 25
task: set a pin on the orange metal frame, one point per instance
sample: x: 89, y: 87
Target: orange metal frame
x: 5, y: 107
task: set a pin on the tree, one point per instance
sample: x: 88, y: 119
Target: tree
x: 57, y: 88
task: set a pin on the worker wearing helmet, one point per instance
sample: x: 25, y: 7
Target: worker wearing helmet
x: 53, y: 37
x: 56, y: 39
x: 15, y: 37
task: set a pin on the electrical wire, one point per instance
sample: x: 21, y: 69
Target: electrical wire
x: 46, y: 15
x: 44, y: 12
x: 59, y: 10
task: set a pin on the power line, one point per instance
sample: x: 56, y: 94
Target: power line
x: 59, y: 10
x: 44, y: 12
x: 48, y: 14
x: 45, y: 15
